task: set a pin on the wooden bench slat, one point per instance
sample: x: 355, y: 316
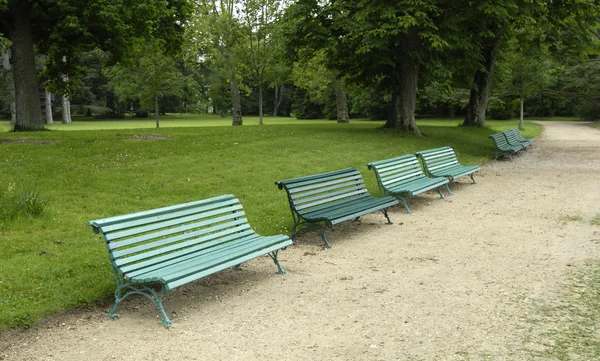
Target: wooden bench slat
x: 327, y: 197
x: 105, y: 222
x: 337, y: 180
x: 212, y: 257
x: 136, y: 274
x: 175, y: 240
x: 129, y: 232
x: 154, y: 218
x: 320, y: 190
x: 172, y: 285
x: 352, y: 206
x: 178, y: 249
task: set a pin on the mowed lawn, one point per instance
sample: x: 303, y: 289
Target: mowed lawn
x: 53, y: 263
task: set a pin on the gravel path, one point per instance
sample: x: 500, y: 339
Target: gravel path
x: 483, y: 275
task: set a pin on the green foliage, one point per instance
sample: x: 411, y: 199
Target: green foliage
x: 17, y: 204
x: 149, y: 75
x: 499, y: 109
x: 52, y: 263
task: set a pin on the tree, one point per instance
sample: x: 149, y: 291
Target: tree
x: 214, y: 35
x: 376, y: 44
x: 489, y: 24
x: 259, y: 22
x: 63, y: 29
x: 527, y: 66
x: 149, y: 75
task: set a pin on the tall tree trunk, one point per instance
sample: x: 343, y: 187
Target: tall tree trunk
x: 341, y: 102
x: 6, y: 65
x: 156, y: 111
x: 480, y: 92
x: 260, y: 104
x: 66, y: 110
x: 277, y: 99
x: 236, y: 102
x: 48, y: 106
x: 27, y: 98
x: 521, y: 116
x: 110, y: 103
x: 404, y: 100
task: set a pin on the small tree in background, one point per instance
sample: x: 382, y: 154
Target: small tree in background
x: 149, y: 75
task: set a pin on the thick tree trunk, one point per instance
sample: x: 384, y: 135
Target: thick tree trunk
x: 521, y: 116
x: 66, y: 110
x: 6, y: 65
x: 480, y: 92
x: 156, y: 111
x: 236, y: 102
x: 27, y: 97
x: 260, y: 104
x: 341, y: 102
x: 48, y: 106
x: 404, y: 100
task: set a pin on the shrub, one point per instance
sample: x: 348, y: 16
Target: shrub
x: 15, y: 204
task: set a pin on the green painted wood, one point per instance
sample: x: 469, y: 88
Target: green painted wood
x: 521, y: 138
x: 442, y: 162
x: 402, y: 177
x: 179, y: 243
x: 213, y: 257
x: 503, y: 148
x: 330, y: 197
x: 130, y: 219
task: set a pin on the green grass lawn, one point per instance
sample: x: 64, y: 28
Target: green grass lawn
x: 54, y: 262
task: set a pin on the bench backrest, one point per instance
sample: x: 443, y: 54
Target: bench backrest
x: 511, y: 137
x: 140, y: 242
x: 437, y: 159
x: 500, y: 141
x: 519, y: 135
x: 396, y: 170
x: 320, y: 190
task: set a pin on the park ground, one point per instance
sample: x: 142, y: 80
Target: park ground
x: 506, y: 269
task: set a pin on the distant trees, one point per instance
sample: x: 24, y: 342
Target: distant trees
x: 332, y: 58
x: 147, y: 74
x: 64, y: 29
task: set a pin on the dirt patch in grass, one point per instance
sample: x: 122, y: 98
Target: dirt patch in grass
x: 27, y: 141
x: 146, y: 137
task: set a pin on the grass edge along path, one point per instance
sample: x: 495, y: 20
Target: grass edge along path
x: 55, y: 263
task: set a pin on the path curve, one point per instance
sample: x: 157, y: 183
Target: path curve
x: 462, y: 279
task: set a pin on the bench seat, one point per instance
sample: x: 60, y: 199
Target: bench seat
x: 168, y: 247
x: 402, y: 177
x: 442, y: 162
x: 323, y: 200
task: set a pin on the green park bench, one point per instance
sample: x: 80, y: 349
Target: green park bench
x: 518, y: 137
x: 511, y: 138
x: 442, y: 162
x: 323, y: 200
x: 402, y: 177
x: 156, y: 251
x: 503, y: 148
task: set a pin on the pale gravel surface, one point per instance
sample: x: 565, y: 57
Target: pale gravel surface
x: 456, y: 280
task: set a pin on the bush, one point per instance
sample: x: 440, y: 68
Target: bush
x: 588, y: 111
x: 15, y: 204
x: 498, y: 109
